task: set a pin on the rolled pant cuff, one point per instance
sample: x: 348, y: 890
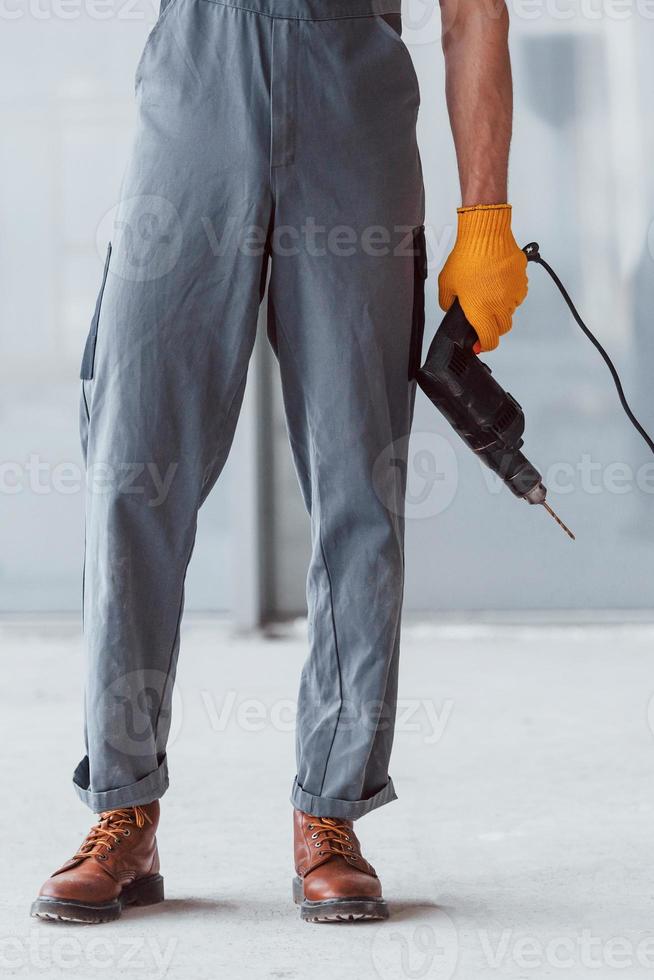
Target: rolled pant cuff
x: 325, y: 806
x: 145, y: 790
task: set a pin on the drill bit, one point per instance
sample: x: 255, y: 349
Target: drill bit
x: 537, y: 495
x: 558, y: 519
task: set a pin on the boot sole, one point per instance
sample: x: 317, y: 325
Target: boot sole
x: 145, y: 891
x: 338, y: 909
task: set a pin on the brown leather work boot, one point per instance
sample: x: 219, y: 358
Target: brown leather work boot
x: 117, y: 865
x: 335, y: 883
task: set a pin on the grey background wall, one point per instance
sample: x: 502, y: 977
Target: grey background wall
x: 581, y: 184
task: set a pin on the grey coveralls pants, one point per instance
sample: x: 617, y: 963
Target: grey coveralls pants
x: 273, y: 136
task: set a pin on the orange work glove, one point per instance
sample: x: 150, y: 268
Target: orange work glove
x: 485, y: 271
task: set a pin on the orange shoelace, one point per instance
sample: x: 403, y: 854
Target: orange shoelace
x: 331, y: 832
x: 110, y: 830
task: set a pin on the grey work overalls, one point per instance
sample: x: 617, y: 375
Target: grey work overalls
x: 273, y: 136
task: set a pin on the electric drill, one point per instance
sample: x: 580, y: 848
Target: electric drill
x: 489, y: 420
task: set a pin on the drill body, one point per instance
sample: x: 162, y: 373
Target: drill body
x: 488, y: 419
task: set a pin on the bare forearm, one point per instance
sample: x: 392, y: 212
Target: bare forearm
x: 486, y: 269
x: 479, y: 95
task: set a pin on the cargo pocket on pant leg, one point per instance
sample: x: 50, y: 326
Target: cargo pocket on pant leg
x: 88, y: 359
x: 418, y: 321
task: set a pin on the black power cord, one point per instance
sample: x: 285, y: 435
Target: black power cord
x: 533, y: 255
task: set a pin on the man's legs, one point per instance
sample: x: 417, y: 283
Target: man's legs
x: 255, y: 117
x: 345, y: 307
x: 165, y: 377
x: 242, y: 113
x: 346, y: 317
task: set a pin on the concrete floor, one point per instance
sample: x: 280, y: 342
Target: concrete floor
x: 521, y: 845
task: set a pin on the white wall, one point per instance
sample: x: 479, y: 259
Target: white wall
x: 581, y: 184
x: 66, y: 115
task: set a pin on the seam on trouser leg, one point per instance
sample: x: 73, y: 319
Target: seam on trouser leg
x: 395, y: 654
x: 188, y: 561
x: 280, y: 324
x: 338, y: 659
x: 155, y: 727
x: 204, y: 489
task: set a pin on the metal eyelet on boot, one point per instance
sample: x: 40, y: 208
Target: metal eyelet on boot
x: 126, y: 832
x: 102, y: 857
x: 313, y: 836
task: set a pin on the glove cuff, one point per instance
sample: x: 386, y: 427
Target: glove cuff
x: 484, y: 229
